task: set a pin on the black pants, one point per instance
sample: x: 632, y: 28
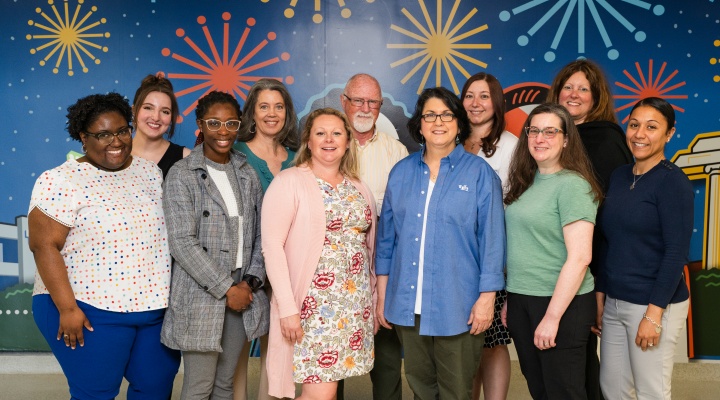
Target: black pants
x: 386, y: 375
x: 557, y: 373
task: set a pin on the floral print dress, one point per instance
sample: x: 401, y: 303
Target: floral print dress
x: 336, y: 313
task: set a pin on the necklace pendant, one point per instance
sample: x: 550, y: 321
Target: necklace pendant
x: 632, y: 186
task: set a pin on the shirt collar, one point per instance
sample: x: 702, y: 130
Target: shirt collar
x: 454, y: 156
x: 372, y: 139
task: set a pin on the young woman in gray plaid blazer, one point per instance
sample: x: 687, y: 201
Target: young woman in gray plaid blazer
x: 212, y: 204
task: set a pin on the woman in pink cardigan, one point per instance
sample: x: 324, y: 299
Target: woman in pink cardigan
x: 318, y: 235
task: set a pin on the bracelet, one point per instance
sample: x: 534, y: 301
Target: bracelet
x: 658, y: 327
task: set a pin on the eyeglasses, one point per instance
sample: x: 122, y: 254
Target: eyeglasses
x: 547, y: 132
x: 432, y: 117
x: 232, y: 125
x: 374, y: 104
x: 105, y: 137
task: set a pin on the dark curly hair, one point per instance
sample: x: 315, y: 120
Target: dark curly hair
x: 157, y: 83
x: 451, y: 101
x: 215, y: 97
x: 86, y: 111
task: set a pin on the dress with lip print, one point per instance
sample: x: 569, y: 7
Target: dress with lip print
x: 336, y: 313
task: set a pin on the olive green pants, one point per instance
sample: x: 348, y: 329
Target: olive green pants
x: 440, y: 366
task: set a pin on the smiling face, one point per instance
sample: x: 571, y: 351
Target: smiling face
x: 438, y: 134
x: 328, y: 141
x: 155, y: 115
x: 269, y: 113
x: 362, y: 119
x: 646, y: 135
x: 478, y: 103
x: 217, y: 144
x: 576, y: 96
x: 546, y: 152
x: 114, y: 156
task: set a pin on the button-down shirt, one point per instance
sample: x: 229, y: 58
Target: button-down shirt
x: 464, y: 241
x: 376, y: 158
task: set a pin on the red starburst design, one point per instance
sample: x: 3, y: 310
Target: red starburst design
x: 648, y: 86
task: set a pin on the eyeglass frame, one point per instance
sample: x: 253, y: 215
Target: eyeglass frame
x: 221, y: 124
x: 543, y: 131
x: 355, y: 100
x: 125, y: 132
x: 442, y: 116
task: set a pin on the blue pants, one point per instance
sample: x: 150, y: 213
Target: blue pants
x: 121, y: 345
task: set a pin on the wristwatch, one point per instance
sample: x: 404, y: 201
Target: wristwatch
x: 253, y: 281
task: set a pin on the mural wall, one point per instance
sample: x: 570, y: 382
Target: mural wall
x: 55, y: 51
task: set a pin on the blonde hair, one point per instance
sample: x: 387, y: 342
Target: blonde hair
x: 349, y: 161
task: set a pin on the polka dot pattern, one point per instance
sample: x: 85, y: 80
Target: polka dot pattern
x: 116, y: 252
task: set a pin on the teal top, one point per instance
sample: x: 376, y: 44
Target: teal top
x: 260, y: 166
x: 534, y: 224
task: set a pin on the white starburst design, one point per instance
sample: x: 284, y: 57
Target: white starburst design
x: 594, y: 7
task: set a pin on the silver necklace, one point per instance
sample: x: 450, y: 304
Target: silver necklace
x: 636, y: 179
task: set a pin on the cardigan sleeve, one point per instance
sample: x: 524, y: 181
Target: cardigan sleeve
x: 279, y: 209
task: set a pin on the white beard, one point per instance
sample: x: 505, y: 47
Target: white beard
x: 363, y: 124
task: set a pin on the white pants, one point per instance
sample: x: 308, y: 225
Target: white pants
x: 627, y: 372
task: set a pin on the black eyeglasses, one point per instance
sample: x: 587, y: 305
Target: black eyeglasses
x: 547, y: 132
x: 232, y: 125
x: 105, y: 137
x: 432, y: 117
x: 357, y: 102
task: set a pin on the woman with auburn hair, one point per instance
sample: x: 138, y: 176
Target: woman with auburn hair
x: 318, y: 230
x: 551, y: 207
x: 482, y: 97
x: 155, y: 113
x: 581, y: 87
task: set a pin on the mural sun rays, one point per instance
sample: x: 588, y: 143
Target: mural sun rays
x: 68, y: 36
x: 438, y: 44
x: 650, y: 84
x: 221, y: 70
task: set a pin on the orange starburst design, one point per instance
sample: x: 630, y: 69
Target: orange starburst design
x: 220, y: 70
x: 647, y: 86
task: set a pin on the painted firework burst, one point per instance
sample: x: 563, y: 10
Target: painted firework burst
x: 68, y: 36
x: 650, y: 84
x: 438, y: 44
x: 221, y: 70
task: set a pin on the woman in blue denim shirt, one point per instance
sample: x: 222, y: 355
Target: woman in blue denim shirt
x: 440, y: 251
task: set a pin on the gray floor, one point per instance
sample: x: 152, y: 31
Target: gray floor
x: 690, y: 381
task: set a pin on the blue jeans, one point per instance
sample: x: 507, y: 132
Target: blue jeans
x: 120, y: 345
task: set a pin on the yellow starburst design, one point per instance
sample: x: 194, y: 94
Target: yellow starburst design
x: 317, y: 17
x: 68, y: 35
x: 714, y: 61
x: 438, y: 45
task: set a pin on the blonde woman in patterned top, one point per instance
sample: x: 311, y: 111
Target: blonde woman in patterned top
x: 97, y: 232
x: 318, y: 234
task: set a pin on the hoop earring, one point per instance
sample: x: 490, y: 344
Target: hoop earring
x: 83, y: 148
x: 252, y: 127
